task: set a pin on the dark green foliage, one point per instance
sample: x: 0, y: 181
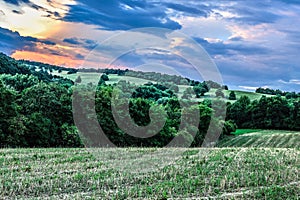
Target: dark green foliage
x: 232, y: 96
x: 288, y: 95
x: 152, y: 92
x: 11, y: 66
x: 229, y: 127
x: 239, y: 111
x: 72, y: 71
x: 225, y: 87
x: 8, y: 115
x: 19, y: 82
x: 158, y: 77
x: 200, y: 89
x: 37, y: 116
x: 104, y: 77
x: 267, y: 113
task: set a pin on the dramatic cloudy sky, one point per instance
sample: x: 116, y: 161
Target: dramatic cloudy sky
x: 253, y: 43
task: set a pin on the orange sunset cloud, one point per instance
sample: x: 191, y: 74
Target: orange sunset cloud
x: 47, y: 58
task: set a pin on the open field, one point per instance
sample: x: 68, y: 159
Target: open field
x: 238, y: 93
x: 263, y: 138
x: 229, y: 173
x: 113, y: 78
x: 86, y: 77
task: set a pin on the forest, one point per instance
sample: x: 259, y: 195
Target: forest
x: 36, y: 107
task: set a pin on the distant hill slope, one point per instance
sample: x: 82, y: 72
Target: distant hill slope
x: 47, y: 72
x: 9, y: 65
x: 42, y: 71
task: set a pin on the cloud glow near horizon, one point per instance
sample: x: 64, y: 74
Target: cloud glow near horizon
x: 254, y: 44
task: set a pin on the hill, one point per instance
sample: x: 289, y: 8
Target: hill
x: 40, y: 94
x: 263, y: 138
x: 114, y: 78
x: 48, y: 72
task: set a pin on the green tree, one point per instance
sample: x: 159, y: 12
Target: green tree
x: 232, y: 96
x: 239, y: 111
x: 229, y: 127
x: 12, y: 129
x: 104, y: 77
x: 200, y: 90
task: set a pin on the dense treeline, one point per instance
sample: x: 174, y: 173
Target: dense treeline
x: 266, y: 113
x: 39, y: 114
x: 141, y: 99
x: 46, y: 67
x: 36, y: 114
x: 288, y: 95
x: 36, y: 109
x: 41, y: 71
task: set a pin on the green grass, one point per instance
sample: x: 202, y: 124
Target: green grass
x: 244, y: 131
x: 262, y: 138
x: 113, y: 78
x: 229, y: 173
x: 251, y: 95
x: 86, y: 77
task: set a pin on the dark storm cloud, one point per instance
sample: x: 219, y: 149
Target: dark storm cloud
x: 16, y: 2
x: 220, y: 48
x: 30, y: 4
x: 189, y: 10
x: 86, y: 43
x: 73, y: 41
x: 12, y: 41
x: 120, y: 15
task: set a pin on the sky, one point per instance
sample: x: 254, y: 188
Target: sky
x: 253, y: 43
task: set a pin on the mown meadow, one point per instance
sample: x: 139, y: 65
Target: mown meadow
x: 218, y: 173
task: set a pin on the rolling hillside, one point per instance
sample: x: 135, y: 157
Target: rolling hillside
x: 263, y: 138
x: 94, y: 77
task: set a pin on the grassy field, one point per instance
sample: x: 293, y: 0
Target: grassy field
x: 262, y: 138
x: 251, y: 95
x: 113, y: 78
x: 86, y: 77
x: 228, y: 173
x: 245, y: 131
x: 182, y: 88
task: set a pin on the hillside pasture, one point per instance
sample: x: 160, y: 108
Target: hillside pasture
x: 88, y: 77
